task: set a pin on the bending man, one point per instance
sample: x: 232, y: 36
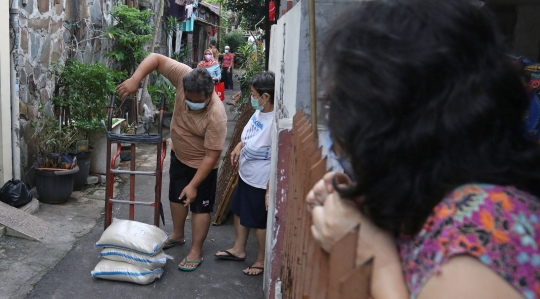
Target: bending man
x: 198, y: 131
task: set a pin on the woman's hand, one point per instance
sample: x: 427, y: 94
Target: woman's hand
x: 127, y: 88
x: 317, y: 195
x: 236, y: 153
x: 334, y: 217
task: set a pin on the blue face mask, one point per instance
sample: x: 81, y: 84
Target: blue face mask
x: 343, y: 162
x: 195, y: 106
x: 226, y: 51
x: 255, y: 104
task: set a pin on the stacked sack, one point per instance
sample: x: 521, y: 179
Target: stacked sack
x: 133, y: 252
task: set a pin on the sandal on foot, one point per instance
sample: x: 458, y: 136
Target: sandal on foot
x: 229, y: 256
x: 256, y: 274
x: 170, y: 243
x: 230, y: 103
x: 186, y: 261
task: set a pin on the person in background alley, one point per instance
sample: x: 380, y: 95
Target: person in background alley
x: 425, y: 103
x: 227, y: 68
x: 235, y: 98
x: 198, y: 131
x: 215, y: 51
x: 211, y: 65
x: 249, y: 201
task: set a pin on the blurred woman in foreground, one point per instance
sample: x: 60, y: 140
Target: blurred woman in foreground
x: 425, y: 104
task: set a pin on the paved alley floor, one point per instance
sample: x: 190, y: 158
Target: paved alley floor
x: 59, y: 267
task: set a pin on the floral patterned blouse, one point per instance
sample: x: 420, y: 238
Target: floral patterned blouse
x: 498, y: 225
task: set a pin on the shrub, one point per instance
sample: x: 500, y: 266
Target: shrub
x: 234, y: 39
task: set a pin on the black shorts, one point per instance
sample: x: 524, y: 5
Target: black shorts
x: 181, y: 175
x: 248, y: 203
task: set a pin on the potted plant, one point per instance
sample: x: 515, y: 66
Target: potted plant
x: 82, y: 97
x: 55, y: 169
x: 163, y: 89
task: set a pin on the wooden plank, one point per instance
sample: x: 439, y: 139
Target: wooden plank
x: 224, y: 203
x: 299, y: 166
x: 357, y: 283
x: 321, y: 291
x: 342, y: 260
x: 305, y: 225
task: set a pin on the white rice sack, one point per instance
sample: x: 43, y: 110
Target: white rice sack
x: 144, y: 261
x: 120, y: 271
x: 132, y: 235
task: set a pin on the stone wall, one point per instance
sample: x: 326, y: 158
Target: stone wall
x: 51, y: 31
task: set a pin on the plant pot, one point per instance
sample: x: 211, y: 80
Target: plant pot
x: 98, y: 159
x: 55, y: 186
x: 125, y: 153
x: 83, y: 161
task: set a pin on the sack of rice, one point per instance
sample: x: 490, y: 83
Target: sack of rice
x: 134, y: 236
x: 120, y: 271
x: 144, y: 261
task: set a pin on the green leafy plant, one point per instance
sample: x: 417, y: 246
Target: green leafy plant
x: 170, y: 25
x: 53, y: 142
x: 130, y: 33
x: 82, y: 95
x: 163, y: 89
x: 234, y: 39
x: 252, y: 11
x: 182, y: 56
x: 252, y: 62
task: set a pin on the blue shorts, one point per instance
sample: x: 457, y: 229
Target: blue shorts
x: 248, y: 203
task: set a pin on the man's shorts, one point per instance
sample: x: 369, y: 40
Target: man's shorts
x: 181, y: 175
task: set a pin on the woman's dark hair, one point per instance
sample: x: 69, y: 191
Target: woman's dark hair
x: 198, y: 80
x: 423, y: 99
x: 264, y: 83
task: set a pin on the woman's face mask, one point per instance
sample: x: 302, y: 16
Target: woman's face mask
x: 226, y: 51
x: 207, y: 57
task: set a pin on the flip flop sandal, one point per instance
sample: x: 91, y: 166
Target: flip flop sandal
x: 170, y: 243
x: 257, y: 274
x: 229, y: 256
x: 230, y: 103
x: 188, y: 269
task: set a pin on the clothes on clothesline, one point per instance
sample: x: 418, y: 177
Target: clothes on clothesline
x: 177, y: 11
x: 189, y: 10
x: 188, y: 25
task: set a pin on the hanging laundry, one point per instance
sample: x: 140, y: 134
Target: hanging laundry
x: 177, y: 11
x: 188, y: 25
x: 189, y: 10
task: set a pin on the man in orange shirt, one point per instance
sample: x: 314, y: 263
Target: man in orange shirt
x: 198, y: 131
